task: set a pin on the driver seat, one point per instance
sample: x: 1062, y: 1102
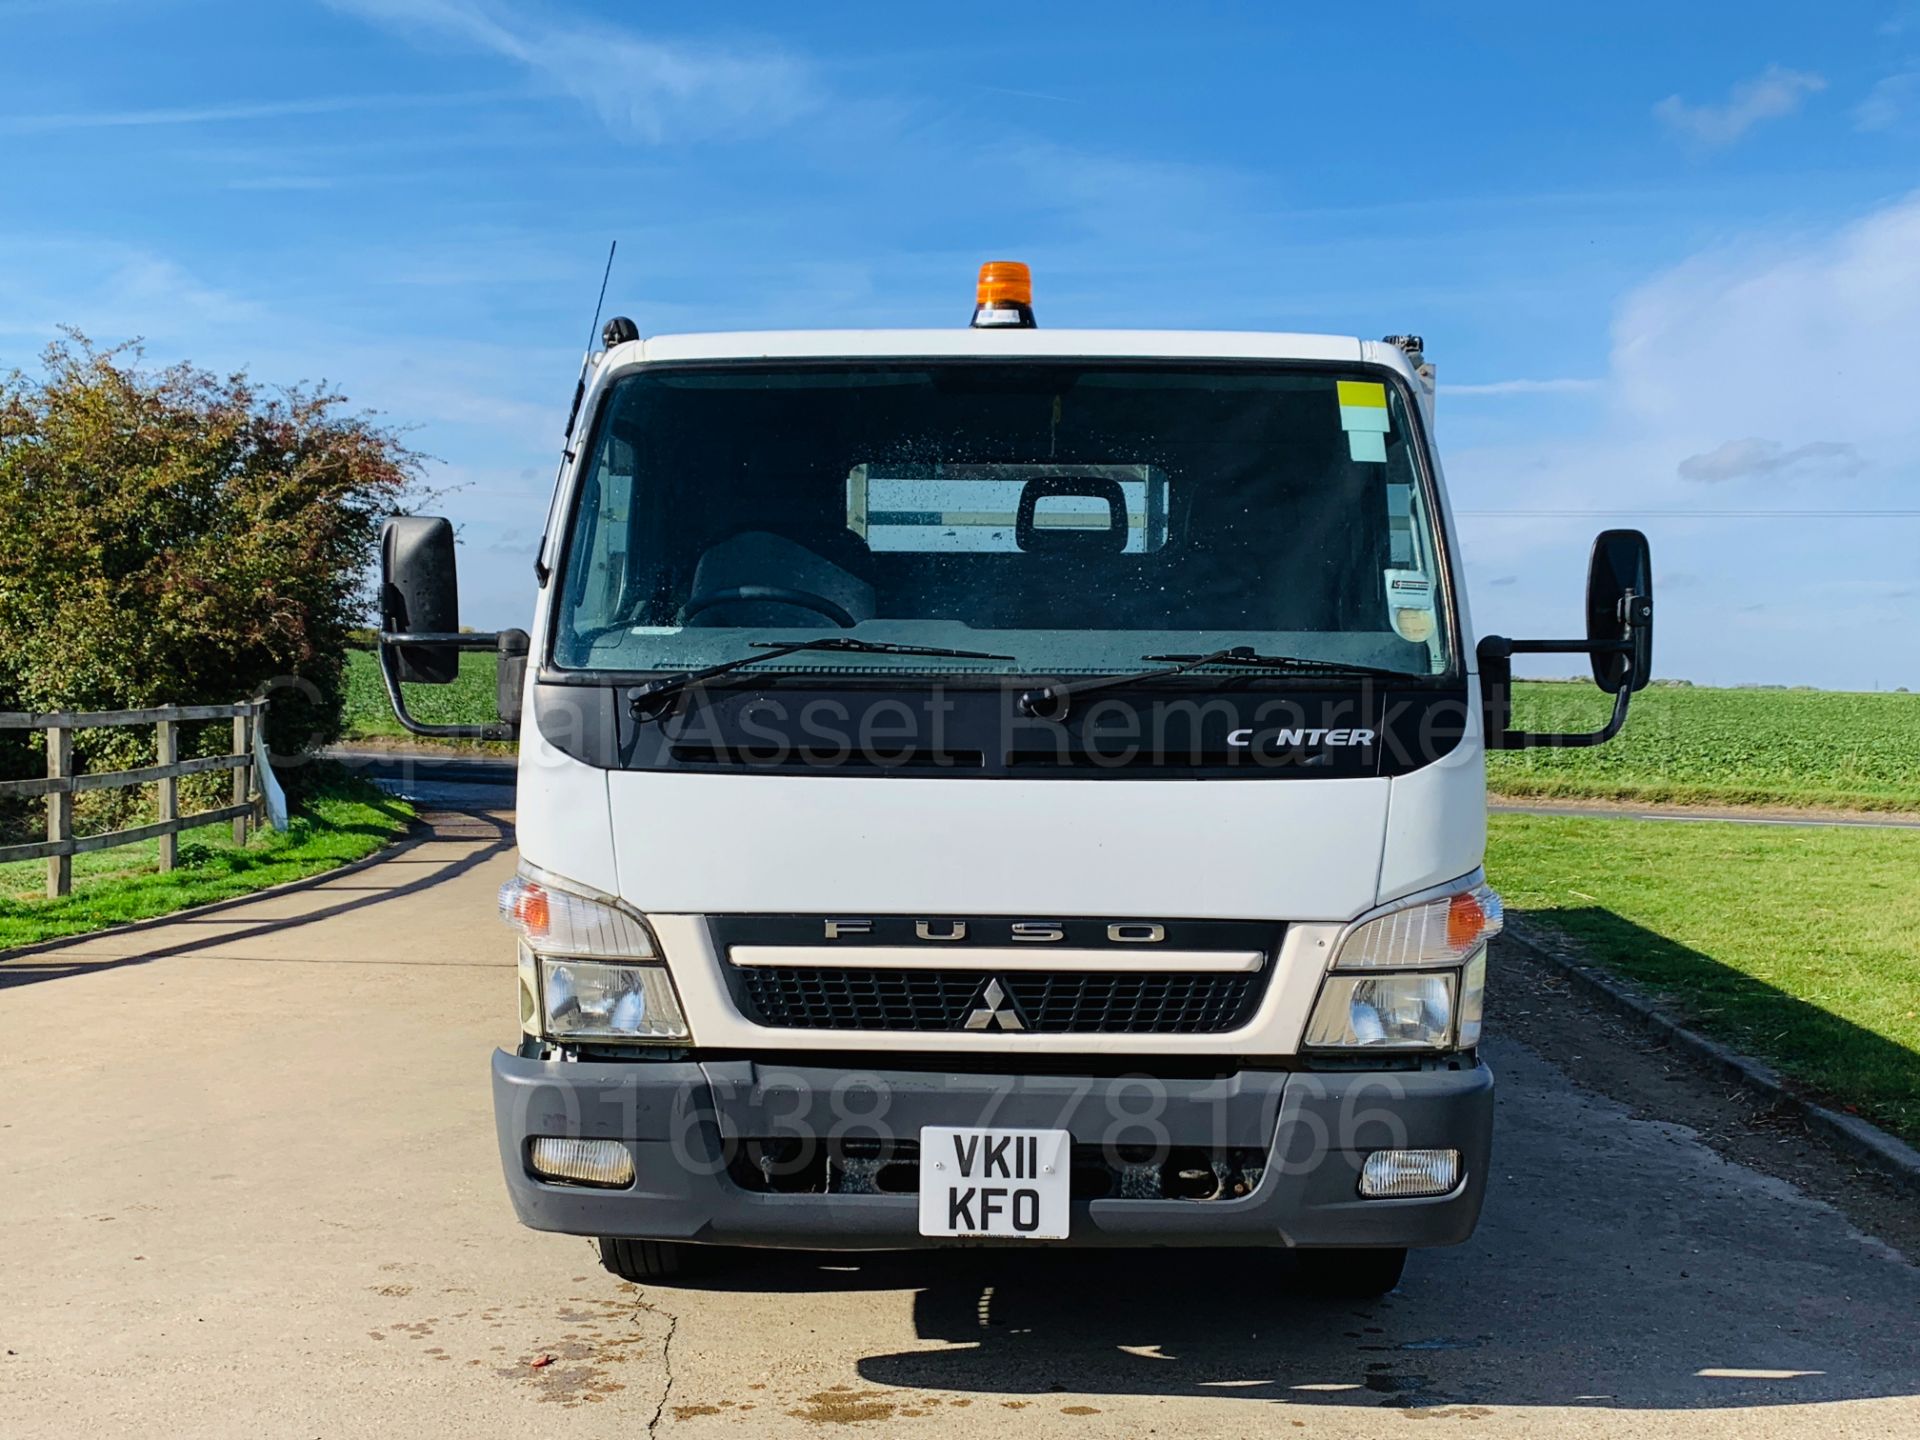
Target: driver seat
x: 759, y: 557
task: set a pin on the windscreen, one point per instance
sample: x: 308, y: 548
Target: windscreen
x: 1067, y: 518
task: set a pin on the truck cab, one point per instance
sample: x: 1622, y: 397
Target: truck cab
x: 1005, y: 786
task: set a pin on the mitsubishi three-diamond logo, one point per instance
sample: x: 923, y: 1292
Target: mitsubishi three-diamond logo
x: 996, y: 1011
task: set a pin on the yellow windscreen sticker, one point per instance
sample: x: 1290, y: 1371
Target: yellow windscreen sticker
x: 1362, y: 393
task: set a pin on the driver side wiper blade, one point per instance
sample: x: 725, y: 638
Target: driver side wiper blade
x: 1247, y: 659
x: 1049, y: 702
x: 644, y: 699
x: 871, y: 647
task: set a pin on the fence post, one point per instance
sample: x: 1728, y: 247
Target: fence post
x: 167, y: 752
x: 241, y: 774
x: 59, y: 810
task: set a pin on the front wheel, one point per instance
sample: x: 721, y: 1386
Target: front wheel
x: 644, y: 1260
x: 1349, y: 1274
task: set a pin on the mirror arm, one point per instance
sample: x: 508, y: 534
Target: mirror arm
x: 1496, y: 654
x: 1529, y: 739
x: 1563, y: 647
x: 390, y: 677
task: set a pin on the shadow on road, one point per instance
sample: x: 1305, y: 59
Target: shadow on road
x: 1621, y: 1264
x: 1227, y: 1325
x: 1856, y: 1068
x: 493, y: 831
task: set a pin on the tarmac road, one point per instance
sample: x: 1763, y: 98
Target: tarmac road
x: 248, y: 1187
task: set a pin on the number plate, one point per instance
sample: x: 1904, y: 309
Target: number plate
x: 1003, y: 1183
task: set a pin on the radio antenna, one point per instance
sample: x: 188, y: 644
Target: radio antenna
x: 593, y: 334
x: 605, y: 275
x: 540, y: 568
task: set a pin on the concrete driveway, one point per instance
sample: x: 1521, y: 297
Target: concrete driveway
x: 248, y: 1186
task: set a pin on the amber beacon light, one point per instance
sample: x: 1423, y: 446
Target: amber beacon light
x: 1004, y: 297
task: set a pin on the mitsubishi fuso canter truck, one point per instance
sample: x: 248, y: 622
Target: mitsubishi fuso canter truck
x: 1000, y: 785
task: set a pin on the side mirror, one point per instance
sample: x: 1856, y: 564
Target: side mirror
x: 419, y: 595
x: 1620, y: 611
x: 420, y: 636
x: 1619, y: 645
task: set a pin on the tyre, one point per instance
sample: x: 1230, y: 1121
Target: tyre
x: 1349, y: 1274
x: 644, y: 1260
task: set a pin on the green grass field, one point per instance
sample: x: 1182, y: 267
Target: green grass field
x: 468, y: 701
x: 342, y: 820
x: 1723, y: 747
x: 1796, y: 945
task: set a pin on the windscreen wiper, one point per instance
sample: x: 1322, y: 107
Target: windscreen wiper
x: 644, y: 700
x: 1248, y: 660
x: 1050, y: 702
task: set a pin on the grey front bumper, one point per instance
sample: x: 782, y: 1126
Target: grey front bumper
x: 681, y: 1120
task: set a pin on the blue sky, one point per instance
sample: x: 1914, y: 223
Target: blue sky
x: 1667, y: 257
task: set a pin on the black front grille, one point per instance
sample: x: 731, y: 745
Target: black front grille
x: 1046, y: 1002
x: 856, y: 1165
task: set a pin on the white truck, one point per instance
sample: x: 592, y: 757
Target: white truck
x: 1003, y: 786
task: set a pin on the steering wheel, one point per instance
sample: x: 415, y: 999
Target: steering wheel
x: 773, y: 594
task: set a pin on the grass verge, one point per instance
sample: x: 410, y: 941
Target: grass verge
x: 1679, y: 795
x: 1687, y: 745
x: 1795, y: 946
x: 339, y: 820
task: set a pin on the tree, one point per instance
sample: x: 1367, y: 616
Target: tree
x: 174, y: 537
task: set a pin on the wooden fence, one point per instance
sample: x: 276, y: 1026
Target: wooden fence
x: 61, y: 784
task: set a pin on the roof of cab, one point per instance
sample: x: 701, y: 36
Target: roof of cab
x: 994, y: 343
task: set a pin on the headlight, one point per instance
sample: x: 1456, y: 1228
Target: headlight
x: 589, y: 967
x: 1421, y: 975
x: 1388, y: 1012
x: 593, y: 1000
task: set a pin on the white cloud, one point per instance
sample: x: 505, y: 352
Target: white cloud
x: 1774, y: 92
x: 284, y: 182
x: 652, y: 90
x: 226, y: 113
x: 1562, y: 386
x: 1906, y: 18
x: 20, y: 9
x: 1886, y: 104
x: 1772, y: 367
x: 1802, y: 340
x: 127, y: 292
x: 475, y: 389
x: 1751, y: 457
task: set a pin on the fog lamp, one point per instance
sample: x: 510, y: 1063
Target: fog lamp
x: 1408, y: 1174
x: 605, y: 1163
